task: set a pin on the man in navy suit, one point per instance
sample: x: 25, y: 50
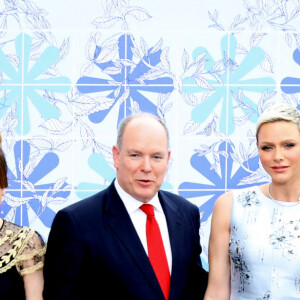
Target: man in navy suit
x: 97, y: 247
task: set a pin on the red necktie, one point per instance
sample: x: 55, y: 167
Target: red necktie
x: 156, y: 250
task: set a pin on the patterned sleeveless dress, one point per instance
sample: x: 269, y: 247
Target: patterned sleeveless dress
x: 264, y: 247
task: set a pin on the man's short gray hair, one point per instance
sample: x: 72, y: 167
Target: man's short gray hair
x: 279, y: 112
x: 128, y: 119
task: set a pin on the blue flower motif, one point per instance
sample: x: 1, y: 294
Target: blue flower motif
x: 230, y: 78
x: 98, y: 163
x: 24, y: 193
x: 22, y: 84
x: 127, y: 80
x: 291, y: 85
x: 218, y: 183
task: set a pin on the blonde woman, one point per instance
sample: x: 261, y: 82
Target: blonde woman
x: 254, y: 248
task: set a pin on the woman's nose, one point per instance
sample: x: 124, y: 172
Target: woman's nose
x: 278, y: 154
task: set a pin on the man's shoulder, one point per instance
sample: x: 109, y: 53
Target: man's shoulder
x: 89, y: 203
x: 176, y: 199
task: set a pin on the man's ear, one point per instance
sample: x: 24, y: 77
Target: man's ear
x: 116, y: 156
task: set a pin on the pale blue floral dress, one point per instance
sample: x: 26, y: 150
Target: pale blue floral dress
x: 264, y: 247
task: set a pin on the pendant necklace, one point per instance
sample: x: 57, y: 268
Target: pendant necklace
x: 280, y: 202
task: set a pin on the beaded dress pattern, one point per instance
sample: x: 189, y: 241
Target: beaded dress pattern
x: 264, y: 247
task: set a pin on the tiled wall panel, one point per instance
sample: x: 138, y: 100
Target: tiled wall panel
x: 70, y: 71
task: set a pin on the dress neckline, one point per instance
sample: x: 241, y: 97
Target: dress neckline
x: 278, y: 202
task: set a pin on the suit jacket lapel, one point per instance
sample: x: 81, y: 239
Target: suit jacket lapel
x: 174, y: 221
x: 121, y: 224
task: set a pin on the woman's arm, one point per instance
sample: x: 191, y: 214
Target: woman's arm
x: 30, y: 266
x: 34, y: 284
x: 219, y: 263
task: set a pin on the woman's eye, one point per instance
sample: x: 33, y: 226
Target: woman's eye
x: 289, y: 145
x: 266, y: 147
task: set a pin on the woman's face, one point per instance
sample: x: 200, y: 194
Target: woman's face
x: 279, y: 150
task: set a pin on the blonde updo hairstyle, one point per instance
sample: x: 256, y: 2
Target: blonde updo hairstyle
x: 278, y: 112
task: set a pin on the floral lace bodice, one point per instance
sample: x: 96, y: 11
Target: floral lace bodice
x: 21, y: 247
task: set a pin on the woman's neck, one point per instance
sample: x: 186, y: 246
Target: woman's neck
x: 283, y: 193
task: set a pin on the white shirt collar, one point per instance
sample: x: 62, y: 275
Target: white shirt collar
x: 133, y: 204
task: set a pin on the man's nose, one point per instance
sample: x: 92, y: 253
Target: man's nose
x: 146, y: 164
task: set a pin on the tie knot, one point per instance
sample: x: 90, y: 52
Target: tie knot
x: 148, y: 209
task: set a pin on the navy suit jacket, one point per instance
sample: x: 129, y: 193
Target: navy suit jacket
x: 94, y: 252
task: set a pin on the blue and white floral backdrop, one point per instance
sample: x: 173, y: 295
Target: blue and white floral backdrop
x: 70, y: 71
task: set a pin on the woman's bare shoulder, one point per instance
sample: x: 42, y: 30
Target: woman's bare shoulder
x: 225, y: 200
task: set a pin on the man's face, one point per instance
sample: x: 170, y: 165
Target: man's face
x: 143, y: 159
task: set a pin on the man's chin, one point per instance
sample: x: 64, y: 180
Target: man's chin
x: 145, y: 198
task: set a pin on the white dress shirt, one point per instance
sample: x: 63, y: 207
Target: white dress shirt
x: 139, y: 218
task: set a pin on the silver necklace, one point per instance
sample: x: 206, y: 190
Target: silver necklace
x: 277, y: 201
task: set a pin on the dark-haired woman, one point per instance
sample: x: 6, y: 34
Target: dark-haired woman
x: 21, y: 255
